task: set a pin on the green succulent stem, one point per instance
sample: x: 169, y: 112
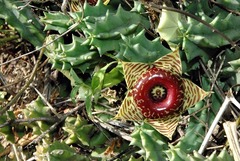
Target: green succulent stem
x: 158, y: 7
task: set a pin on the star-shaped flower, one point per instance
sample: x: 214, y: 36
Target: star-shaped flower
x: 158, y: 94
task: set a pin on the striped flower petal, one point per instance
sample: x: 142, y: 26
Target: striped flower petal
x: 129, y: 110
x: 192, y: 94
x: 170, y: 62
x: 133, y: 71
x: 165, y: 126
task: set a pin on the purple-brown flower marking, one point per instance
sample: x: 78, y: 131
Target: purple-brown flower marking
x: 158, y: 94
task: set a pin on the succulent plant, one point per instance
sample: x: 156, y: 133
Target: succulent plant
x: 158, y: 94
x: 109, y: 37
x: 24, y: 21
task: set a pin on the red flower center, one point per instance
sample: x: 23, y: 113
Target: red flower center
x: 158, y: 93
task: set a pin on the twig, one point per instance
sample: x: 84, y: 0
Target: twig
x: 17, y: 121
x: 25, y: 86
x: 112, y: 129
x: 225, y: 8
x: 15, y: 151
x: 5, y: 86
x: 216, y: 147
x: 210, y: 75
x: 233, y: 99
x: 215, y: 75
x: 6, y: 151
x: 64, y: 6
x: 231, y: 132
x: 54, y: 126
x: 228, y: 99
x: 212, y: 127
x: 20, y: 143
x: 213, y: 78
x: 45, y: 101
x: 33, y: 158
